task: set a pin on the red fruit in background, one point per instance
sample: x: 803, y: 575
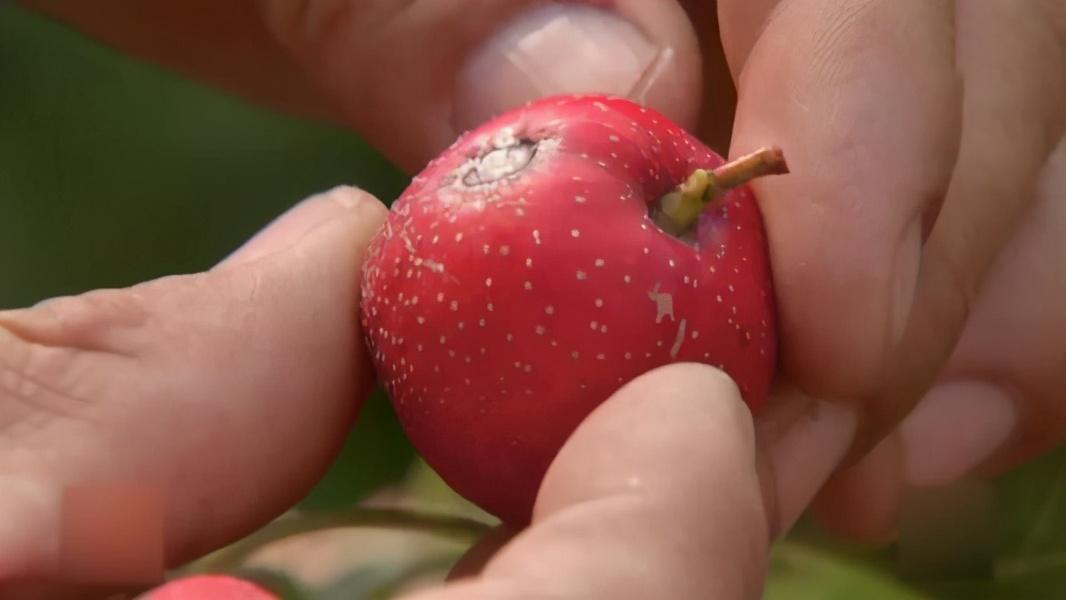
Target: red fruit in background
x: 526, y: 275
x: 209, y: 587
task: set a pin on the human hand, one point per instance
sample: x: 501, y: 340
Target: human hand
x: 180, y: 414
x: 459, y: 63
x: 183, y: 413
x: 916, y: 243
x: 409, y: 77
x: 656, y: 495
x: 121, y: 387
x: 815, y: 285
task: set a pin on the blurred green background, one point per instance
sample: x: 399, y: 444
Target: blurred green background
x: 113, y: 172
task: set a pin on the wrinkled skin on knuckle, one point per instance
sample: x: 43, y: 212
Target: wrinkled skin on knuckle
x: 50, y: 378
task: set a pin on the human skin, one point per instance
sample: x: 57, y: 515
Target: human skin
x: 910, y: 245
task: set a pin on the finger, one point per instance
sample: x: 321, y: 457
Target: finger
x: 656, y: 495
x: 411, y: 76
x: 1013, y: 117
x: 715, y: 125
x: 862, y: 502
x: 863, y: 98
x: 438, y: 68
x: 804, y: 442
x: 742, y: 24
x: 474, y: 559
x: 583, y: 522
x: 174, y: 387
x: 1005, y: 378
x: 999, y: 400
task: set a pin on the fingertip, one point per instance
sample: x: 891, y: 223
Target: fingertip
x: 306, y: 216
x: 678, y: 431
x: 936, y: 451
x: 656, y: 493
x: 692, y: 386
x: 412, y: 80
x: 646, y: 53
x: 351, y: 197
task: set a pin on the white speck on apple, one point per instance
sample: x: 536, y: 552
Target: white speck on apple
x: 664, y: 303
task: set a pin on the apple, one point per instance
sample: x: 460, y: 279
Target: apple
x: 544, y: 260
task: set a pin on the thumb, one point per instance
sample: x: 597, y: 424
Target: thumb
x: 656, y: 495
x: 412, y: 76
x: 142, y: 427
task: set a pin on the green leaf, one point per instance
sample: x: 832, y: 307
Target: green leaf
x: 461, y: 529
x: 426, y: 489
x: 278, y: 582
x: 1028, y: 519
x: 381, y: 582
x: 1033, y: 509
x: 1044, y: 586
x: 800, y: 571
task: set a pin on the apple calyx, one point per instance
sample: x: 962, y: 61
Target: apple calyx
x: 678, y: 210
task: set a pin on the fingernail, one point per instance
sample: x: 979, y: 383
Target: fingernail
x: 806, y: 455
x: 954, y: 429
x: 297, y: 222
x: 555, y: 49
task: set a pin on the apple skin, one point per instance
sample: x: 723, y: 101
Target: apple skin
x: 209, y: 587
x: 520, y: 281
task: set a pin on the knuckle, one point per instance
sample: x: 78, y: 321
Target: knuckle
x: 88, y: 321
x: 40, y: 380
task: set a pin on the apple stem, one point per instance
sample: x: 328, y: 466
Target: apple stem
x: 737, y: 172
x: 679, y: 209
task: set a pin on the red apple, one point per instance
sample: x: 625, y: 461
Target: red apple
x: 544, y: 260
x: 209, y: 587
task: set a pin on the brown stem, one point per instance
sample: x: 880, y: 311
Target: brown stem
x: 679, y: 210
x: 764, y: 161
